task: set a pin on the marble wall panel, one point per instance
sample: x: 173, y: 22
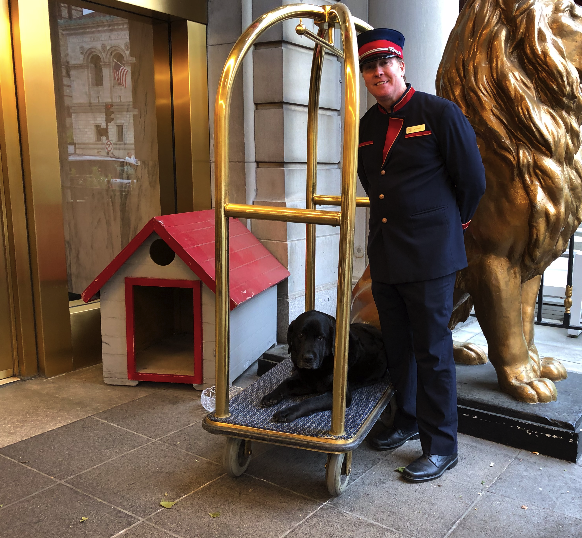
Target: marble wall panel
x: 217, y: 56
x: 326, y: 262
x: 277, y: 184
x: 426, y: 31
x: 281, y: 134
x: 283, y: 72
x: 237, y: 182
x: 284, y: 31
x: 224, y: 21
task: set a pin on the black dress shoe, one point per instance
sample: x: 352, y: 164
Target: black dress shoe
x: 429, y: 467
x: 392, y: 438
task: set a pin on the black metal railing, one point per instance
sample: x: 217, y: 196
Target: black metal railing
x: 566, y: 323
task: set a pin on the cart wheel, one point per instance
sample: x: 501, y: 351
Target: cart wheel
x: 337, y: 472
x: 237, y: 455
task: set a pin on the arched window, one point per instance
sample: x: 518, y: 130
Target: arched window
x: 119, y: 70
x: 95, y: 70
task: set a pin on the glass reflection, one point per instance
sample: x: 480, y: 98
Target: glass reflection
x: 104, y: 82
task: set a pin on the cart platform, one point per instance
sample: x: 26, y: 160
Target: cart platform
x: 249, y: 420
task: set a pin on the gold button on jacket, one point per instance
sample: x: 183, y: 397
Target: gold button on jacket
x: 382, y: 172
x: 384, y: 220
x: 381, y: 197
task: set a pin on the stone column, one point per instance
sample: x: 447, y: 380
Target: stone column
x: 282, y: 65
x: 225, y: 25
x: 426, y: 26
x: 359, y: 9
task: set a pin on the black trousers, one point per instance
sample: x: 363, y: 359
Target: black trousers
x: 414, y: 318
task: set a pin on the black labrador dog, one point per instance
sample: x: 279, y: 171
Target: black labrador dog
x: 311, y: 339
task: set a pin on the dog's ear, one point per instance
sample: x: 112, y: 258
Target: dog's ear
x: 290, y: 336
x: 332, y: 335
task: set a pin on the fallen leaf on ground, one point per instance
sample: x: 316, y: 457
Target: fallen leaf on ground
x: 524, y: 507
x: 83, y: 519
x: 399, y: 469
x: 167, y: 504
x: 214, y: 514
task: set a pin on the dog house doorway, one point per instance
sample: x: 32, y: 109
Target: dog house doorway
x: 164, y: 330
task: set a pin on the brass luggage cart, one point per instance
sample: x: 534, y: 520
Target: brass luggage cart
x: 242, y: 419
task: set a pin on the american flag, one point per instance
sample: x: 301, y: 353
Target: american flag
x: 120, y: 73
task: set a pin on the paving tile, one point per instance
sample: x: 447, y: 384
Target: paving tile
x: 480, y: 340
x: 571, y: 366
x: 570, y: 356
x: 542, y: 481
x: 303, y: 471
x: 481, y: 461
x: 74, y: 448
x: 198, y: 441
x: 463, y: 335
x: 19, y: 481
x: 145, y: 530
x: 429, y: 509
x: 556, y: 335
x: 496, y: 515
x: 138, y: 481
x: 156, y: 415
x: 328, y: 522
x: 244, y: 507
x: 39, y: 405
x: 57, y: 513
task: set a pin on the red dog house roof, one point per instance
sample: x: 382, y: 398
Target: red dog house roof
x: 253, y: 268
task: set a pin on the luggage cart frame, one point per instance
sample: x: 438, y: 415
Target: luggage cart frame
x: 339, y: 448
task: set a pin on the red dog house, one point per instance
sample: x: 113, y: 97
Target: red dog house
x: 157, y: 302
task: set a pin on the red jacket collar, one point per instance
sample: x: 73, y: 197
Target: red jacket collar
x: 404, y: 98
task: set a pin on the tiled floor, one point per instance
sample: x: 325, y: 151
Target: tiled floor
x: 79, y: 458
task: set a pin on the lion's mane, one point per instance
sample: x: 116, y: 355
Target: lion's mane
x: 509, y: 74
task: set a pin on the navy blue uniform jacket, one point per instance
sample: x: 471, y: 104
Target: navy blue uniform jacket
x: 420, y: 166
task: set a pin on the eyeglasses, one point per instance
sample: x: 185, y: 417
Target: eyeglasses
x: 370, y: 67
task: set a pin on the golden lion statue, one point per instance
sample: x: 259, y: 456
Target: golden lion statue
x: 513, y: 67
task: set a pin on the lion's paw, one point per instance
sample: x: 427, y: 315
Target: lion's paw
x: 553, y: 369
x: 539, y: 390
x: 467, y: 353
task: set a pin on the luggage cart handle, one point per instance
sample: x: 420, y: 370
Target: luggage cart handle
x: 287, y: 214
x: 337, y: 14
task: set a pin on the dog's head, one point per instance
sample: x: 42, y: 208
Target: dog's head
x: 311, y: 339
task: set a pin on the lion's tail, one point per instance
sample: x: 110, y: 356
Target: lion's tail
x: 462, y: 302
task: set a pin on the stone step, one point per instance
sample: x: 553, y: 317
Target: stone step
x: 273, y: 356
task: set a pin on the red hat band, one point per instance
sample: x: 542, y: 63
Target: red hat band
x: 380, y: 46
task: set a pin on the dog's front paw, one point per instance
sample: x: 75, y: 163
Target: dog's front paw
x: 271, y: 399
x: 285, y: 415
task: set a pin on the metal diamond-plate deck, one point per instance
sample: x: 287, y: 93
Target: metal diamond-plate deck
x: 245, y: 409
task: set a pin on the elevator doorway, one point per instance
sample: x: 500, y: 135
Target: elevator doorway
x: 112, y: 129
x: 113, y: 73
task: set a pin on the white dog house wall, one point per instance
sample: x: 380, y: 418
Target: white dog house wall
x: 157, y: 302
